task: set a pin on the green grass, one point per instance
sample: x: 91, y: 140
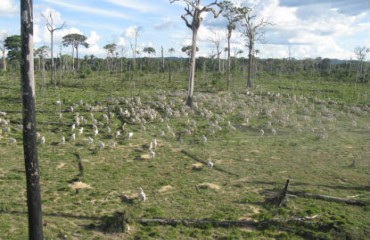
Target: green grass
x: 315, y: 144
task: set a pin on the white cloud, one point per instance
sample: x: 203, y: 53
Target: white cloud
x: 136, y: 5
x: 88, y: 9
x: 8, y: 8
x: 310, y: 29
x: 131, y: 31
x: 167, y: 24
x: 121, y: 42
x: 93, y: 38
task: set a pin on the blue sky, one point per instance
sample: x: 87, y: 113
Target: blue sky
x: 310, y: 28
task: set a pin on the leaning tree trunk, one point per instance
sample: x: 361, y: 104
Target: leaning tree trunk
x: 189, y: 100
x: 29, y: 123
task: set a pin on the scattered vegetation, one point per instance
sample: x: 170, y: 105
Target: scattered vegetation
x: 317, y: 137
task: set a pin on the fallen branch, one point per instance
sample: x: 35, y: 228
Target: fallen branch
x: 330, y: 198
x: 174, y: 222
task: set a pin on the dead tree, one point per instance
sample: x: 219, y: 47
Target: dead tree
x: 194, y: 10
x: 29, y: 123
x: 216, y: 40
x: 230, y: 13
x: 252, y: 29
x: 360, y: 53
x: 50, y: 26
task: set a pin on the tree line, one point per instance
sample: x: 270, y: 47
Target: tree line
x: 148, y: 60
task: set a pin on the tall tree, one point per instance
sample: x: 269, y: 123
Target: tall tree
x: 41, y: 53
x: 194, y: 10
x: 162, y: 60
x: 216, y: 40
x: 29, y: 123
x: 229, y: 11
x: 75, y: 40
x: 149, y: 51
x: 52, y: 28
x: 135, y: 34
x: 360, y: 53
x: 111, y: 50
x: 171, y: 51
x: 13, y: 44
x: 252, y: 29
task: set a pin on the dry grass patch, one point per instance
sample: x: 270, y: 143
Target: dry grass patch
x: 145, y: 156
x: 79, y: 185
x: 211, y: 186
x: 197, y: 166
x: 165, y: 189
x: 61, y: 165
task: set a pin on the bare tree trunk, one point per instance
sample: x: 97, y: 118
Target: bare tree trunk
x: 250, y: 62
x: 29, y: 123
x: 52, y: 58
x: 228, y: 61
x: 78, y: 60
x: 73, y: 58
x: 162, y: 63
x: 189, y: 100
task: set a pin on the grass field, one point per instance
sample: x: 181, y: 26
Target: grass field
x: 256, y: 140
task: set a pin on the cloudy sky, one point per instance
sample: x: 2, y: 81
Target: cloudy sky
x: 309, y: 28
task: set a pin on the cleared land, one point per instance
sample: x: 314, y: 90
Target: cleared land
x: 256, y: 140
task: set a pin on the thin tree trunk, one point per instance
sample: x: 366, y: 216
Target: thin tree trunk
x: 73, y: 58
x: 250, y: 61
x: 52, y: 58
x: 162, y: 63
x: 78, y: 60
x: 228, y: 62
x: 29, y: 123
x: 189, y: 100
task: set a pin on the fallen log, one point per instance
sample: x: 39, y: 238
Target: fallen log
x: 197, y: 222
x: 329, y: 198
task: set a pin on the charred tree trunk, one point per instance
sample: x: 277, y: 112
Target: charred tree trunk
x: 29, y: 123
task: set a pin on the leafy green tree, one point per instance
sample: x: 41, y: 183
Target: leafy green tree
x: 75, y: 40
x: 111, y: 49
x: 13, y: 45
x: 188, y: 49
x: 150, y: 51
x: 41, y: 53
